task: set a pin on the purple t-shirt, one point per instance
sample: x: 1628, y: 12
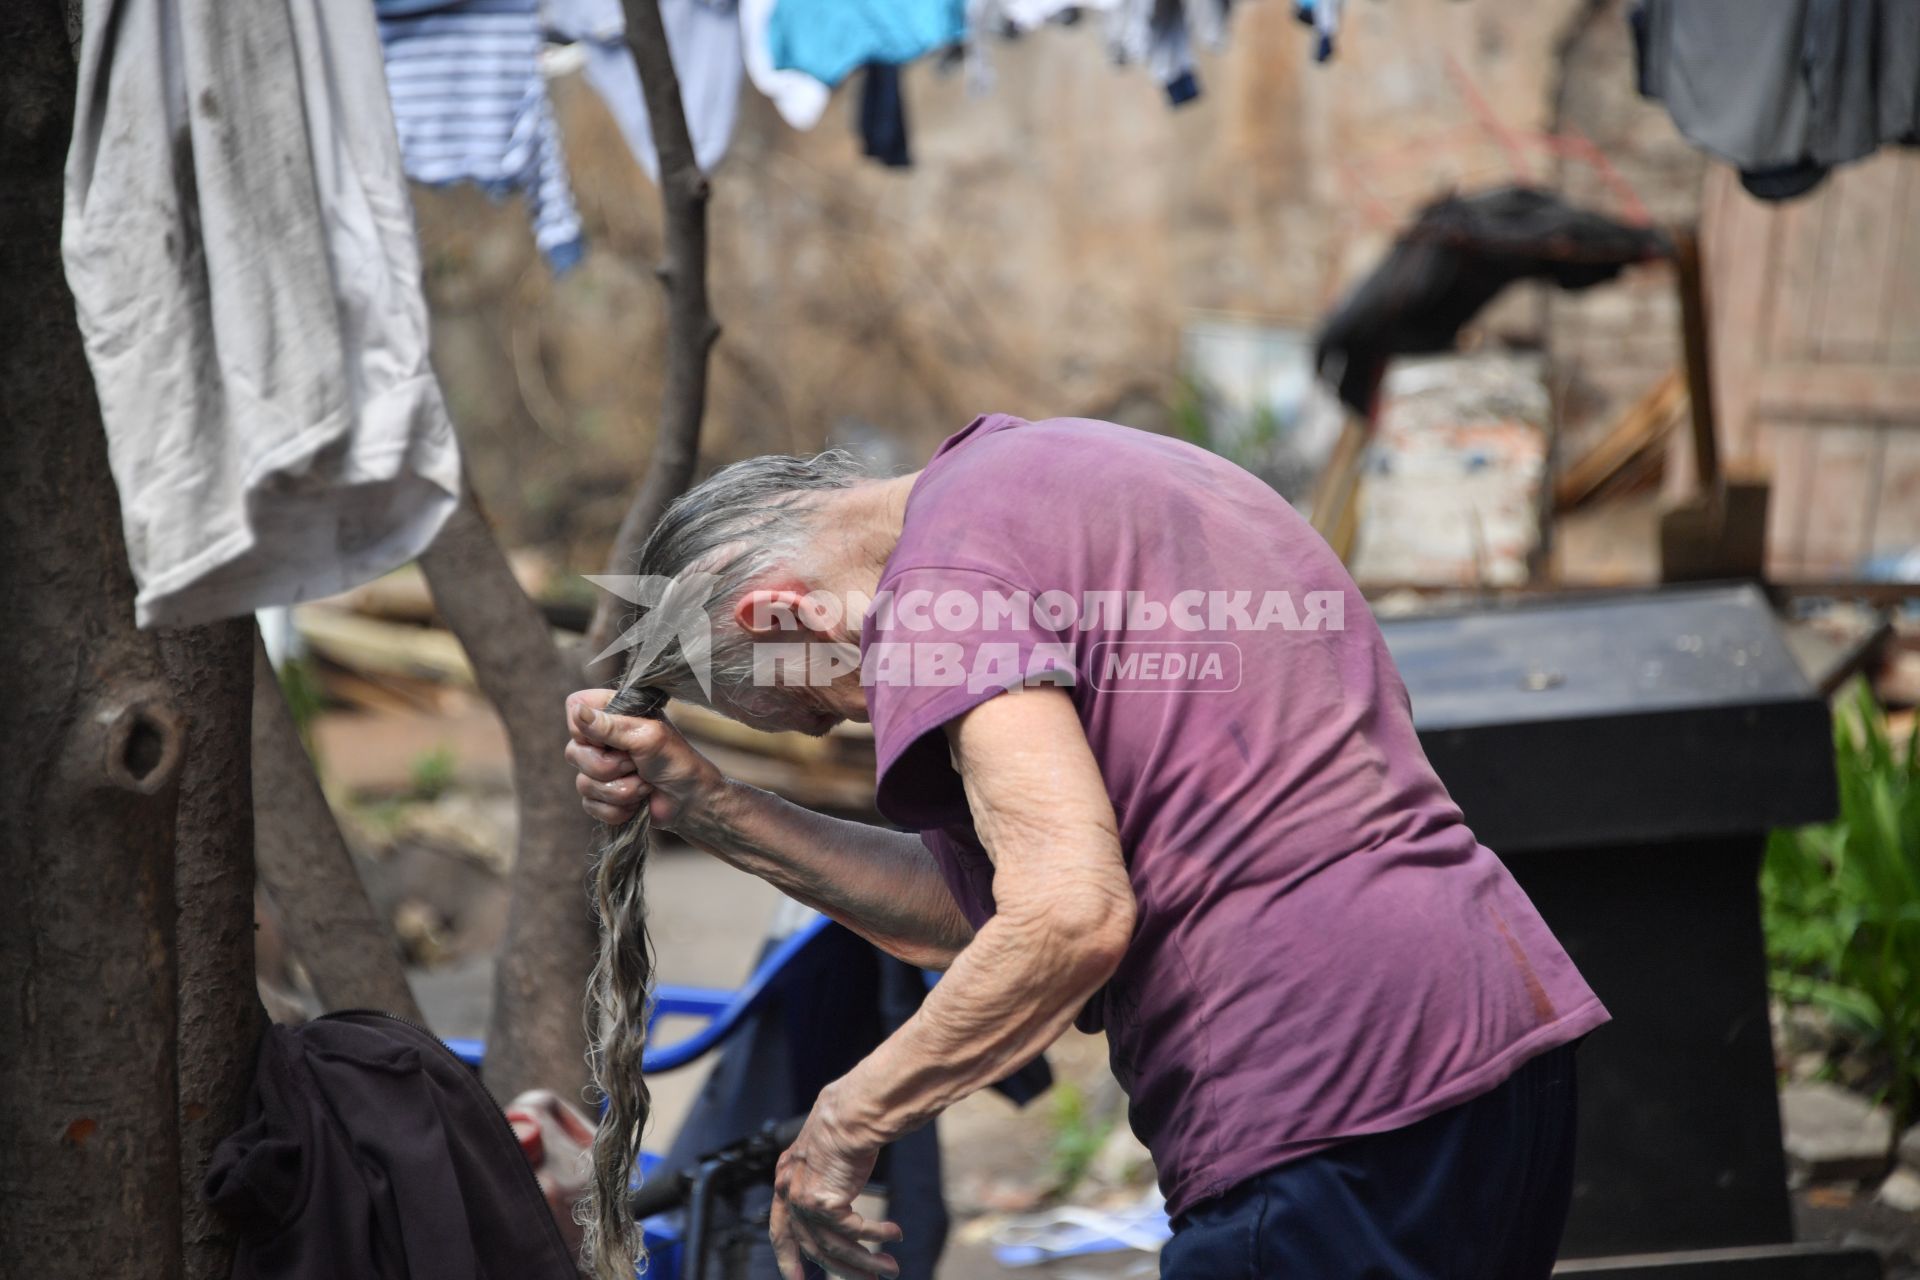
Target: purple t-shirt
x: 1323, y: 949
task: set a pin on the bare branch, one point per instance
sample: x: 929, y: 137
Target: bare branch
x: 536, y: 1038
x: 308, y: 871
x: 691, y: 328
x: 219, y: 1013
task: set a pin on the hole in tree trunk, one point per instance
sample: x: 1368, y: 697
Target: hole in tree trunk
x: 146, y: 745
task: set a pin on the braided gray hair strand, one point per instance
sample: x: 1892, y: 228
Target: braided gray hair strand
x: 737, y: 525
x: 618, y: 995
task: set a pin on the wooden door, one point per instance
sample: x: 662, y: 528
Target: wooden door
x: 1815, y: 308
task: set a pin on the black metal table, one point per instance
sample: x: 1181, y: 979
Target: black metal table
x: 1626, y: 756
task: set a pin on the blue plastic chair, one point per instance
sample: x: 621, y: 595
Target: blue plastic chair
x: 724, y: 1011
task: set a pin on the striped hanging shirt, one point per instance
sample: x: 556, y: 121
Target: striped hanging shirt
x: 470, y: 105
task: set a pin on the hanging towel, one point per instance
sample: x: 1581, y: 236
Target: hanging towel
x: 828, y: 39
x: 471, y: 106
x: 241, y: 252
x: 797, y: 96
x: 704, y: 39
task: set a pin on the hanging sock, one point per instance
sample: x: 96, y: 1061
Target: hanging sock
x: 1011, y: 19
x: 241, y: 252
x: 470, y: 106
x: 704, y: 39
x: 1324, y: 17
x: 1160, y: 34
x: 883, y: 116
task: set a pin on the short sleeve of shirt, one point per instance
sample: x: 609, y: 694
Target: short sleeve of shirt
x: 940, y: 641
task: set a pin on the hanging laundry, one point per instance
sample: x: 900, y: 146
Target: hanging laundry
x: 241, y: 251
x: 704, y: 38
x: 1324, y: 17
x: 1031, y: 15
x: 1899, y: 104
x: 1011, y: 19
x: 370, y: 1150
x: 1159, y: 35
x: 797, y: 96
x: 829, y: 39
x: 883, y: 116
x: 1787, y: 90
x: 1459, y: 253
x: 470, y: 106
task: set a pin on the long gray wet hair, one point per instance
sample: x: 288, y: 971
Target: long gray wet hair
x: 717, y: 539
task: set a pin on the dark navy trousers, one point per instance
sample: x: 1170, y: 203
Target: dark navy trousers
x: 1477, y: 1192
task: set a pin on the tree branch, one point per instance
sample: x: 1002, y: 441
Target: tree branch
x: 691, y: 328
x: 219, y: 1013
x: 537, y: 1038
x: 308, y: 871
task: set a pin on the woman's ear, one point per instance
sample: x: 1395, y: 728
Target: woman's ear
x: 765, y: 612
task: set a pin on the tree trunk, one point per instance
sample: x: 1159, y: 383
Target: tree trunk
x: 537, y: 1035
x: 219, y: 1013
x: 307, y: 870
x: 89, y: 1135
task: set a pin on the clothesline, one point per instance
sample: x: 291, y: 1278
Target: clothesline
x: 470, y: 102
x: 1486, y: 126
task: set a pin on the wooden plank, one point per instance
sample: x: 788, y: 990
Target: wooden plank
x: 1860, y: 235
x: 1896, y: 526
x: 1795, y: 290
x: 1636, y: 432
x: 1844, y: 483
x: 402, y: 595
x: 1903, y: 271
x: 1716, y: 536
x: 373, y: 647
x: 1737, y: 233
x: 1853, y: 391
x: 1336, y: 493
x: 1695, y: 330
x: 1787, y: 447
x: 1871, y: 593
x: 386, y: 693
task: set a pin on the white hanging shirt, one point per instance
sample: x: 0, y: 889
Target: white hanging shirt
x: 704, y: 37
x: 241, y: 251
x: 797, y: 96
